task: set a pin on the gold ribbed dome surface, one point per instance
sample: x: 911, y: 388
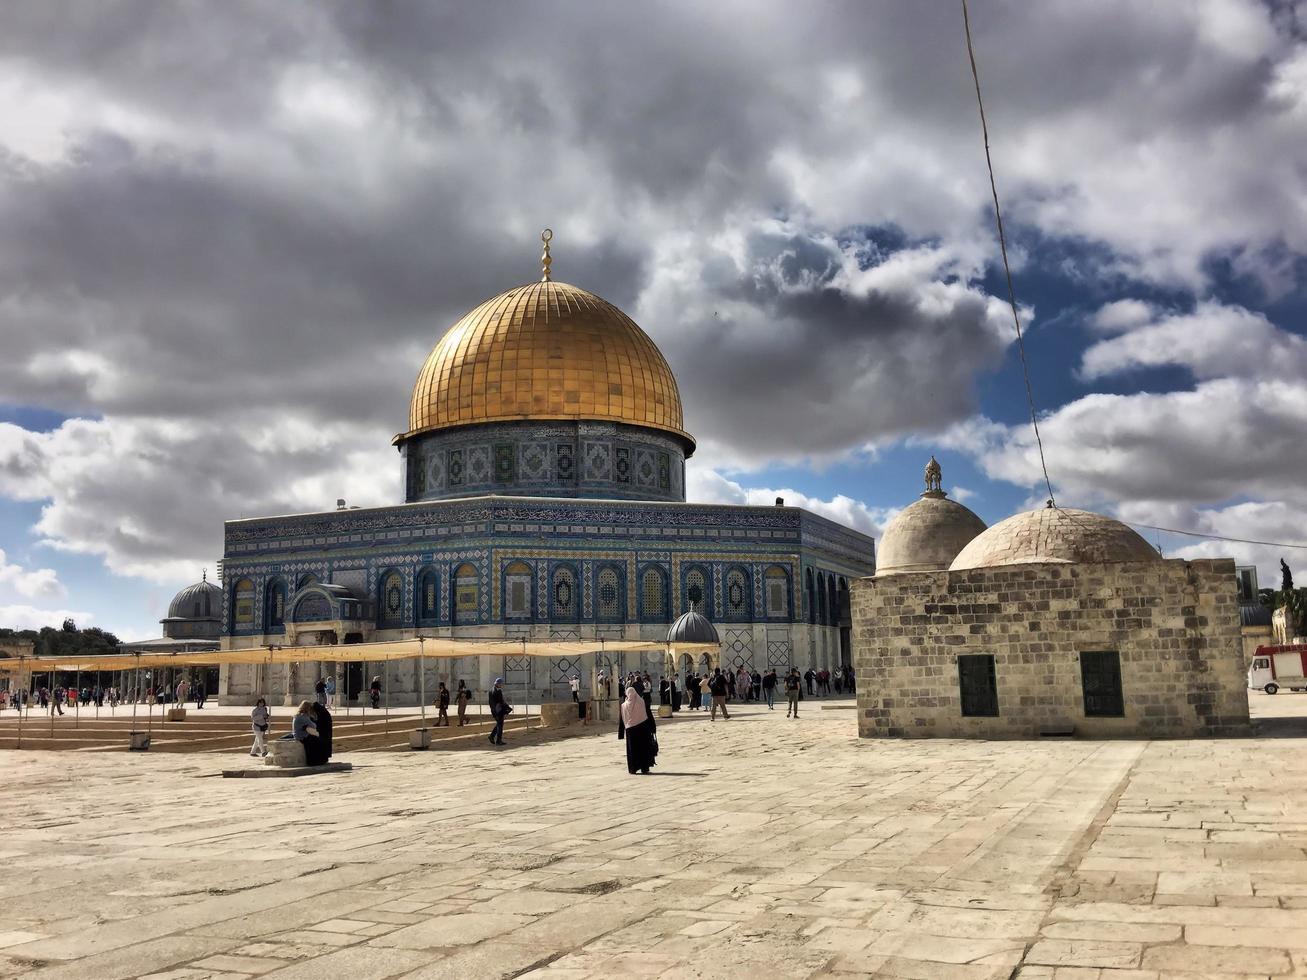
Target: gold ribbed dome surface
x: 545, y: 350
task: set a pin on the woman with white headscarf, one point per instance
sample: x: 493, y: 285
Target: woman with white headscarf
x: 636, y: 725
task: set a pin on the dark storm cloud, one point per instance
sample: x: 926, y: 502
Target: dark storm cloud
x: 844, y: 355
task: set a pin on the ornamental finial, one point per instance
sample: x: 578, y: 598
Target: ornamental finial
x: 204, y: 575
x: 934, y: 479
x: 546, y: 237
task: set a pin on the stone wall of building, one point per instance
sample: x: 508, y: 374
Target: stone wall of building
x: 1254, y: 637
x: 1175, y: 625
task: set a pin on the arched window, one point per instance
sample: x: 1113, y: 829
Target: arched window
x: 564, y: 600
x: 467, y: 595
x: 242, y: 616
x: 610, y: 602
x: 832, y: 603
x: 737, y: 596
x: 653, y: 596
x: 308, y: 578
x: 517, y: 591
x: 274, y: 613
x: 776, y: 592
x: 390, y: 599
x: 811, y: 595
x: 843, y: 612
x: 697, y: 594
x: 823, y: 610
x: 428, y: 597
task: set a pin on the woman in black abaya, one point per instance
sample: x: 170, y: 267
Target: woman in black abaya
x: 637, y: 727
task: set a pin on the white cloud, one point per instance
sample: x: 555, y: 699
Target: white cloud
x: 36, y: 583
x: 20, y: 617
x: 1215, y: 340
x: 962, y: 494
x: 706, y: 486
x: 1122, y: 314
x: 149, y: 495
x: 1224, y: 458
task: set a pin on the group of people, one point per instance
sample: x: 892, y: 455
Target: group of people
x: 821, y: 682
x: 55, y: 698
x: 310, y: 726
x: 461, y: 697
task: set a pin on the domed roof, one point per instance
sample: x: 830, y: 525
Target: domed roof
x: 203, y: 600
x: 1054, y: 535
x: 546, y: 350
x: 692, y: 627
x: 926, y: 535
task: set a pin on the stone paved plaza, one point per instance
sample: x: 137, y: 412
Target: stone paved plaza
x: 762, y: 848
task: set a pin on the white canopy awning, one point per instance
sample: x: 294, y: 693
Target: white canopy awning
x: 426, y: 646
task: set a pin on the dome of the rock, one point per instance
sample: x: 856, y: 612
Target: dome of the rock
x: 1054, y: 535
x: 546, y: 351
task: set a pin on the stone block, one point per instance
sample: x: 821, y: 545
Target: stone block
x: 419, y: 739
x: 285, y: 752
x: 176, y: 714
x: 558, y: 714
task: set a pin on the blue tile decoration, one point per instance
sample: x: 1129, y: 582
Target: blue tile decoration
x: 564, y: 463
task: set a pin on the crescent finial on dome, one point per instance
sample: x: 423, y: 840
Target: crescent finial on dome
x: 546, y: 237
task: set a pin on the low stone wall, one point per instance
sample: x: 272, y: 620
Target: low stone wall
x: 1175, y: 625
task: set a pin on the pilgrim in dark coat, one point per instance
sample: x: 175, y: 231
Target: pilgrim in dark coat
x: 324, y: 726
x: 637, y: 727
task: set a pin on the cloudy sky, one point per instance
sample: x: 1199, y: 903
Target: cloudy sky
x: 230, y: 232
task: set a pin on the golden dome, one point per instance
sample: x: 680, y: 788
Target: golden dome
x: 545, y: 350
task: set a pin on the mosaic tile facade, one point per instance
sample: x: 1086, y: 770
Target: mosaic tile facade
x: 653, y: 558
x: 571, y: 459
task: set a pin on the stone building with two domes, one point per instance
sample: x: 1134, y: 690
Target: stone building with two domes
x: 1054, y: 621
x: 544, y: 473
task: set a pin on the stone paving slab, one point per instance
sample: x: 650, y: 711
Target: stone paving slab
x: 760, y: 848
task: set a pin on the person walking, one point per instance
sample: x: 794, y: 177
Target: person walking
x: 769, y: 688
x: 183, y: 692
x: 260, y: 722
x: 810, y: 675
x: 575, y: 684
x: 664, y: 691
x: 374, y: 692
x: 719, y: 688
x: 442, y: 704
x: 635, y: 726
x: 793, y: 689
x: 499, y: 709
x: 201, y: 695
x: 462, y: 697
x: 320, y: 690
x: 330, y: 687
